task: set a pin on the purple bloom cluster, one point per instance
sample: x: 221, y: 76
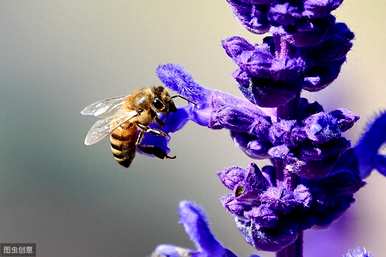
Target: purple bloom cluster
x: 314, y: 170
x: 270, y: 213
x: 292, y: 17
x: 305, y: 51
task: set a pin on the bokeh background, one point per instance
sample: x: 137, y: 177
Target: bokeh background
x: 58, y: 56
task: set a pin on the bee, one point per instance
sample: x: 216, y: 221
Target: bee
x: 127, y: 118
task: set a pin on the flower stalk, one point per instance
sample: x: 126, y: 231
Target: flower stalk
x: 293, y: 250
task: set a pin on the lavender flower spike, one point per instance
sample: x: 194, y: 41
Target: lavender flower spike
x: 196, y: 226
x: 314, y: 171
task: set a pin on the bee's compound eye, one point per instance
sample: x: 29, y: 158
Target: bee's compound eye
x: 158, y: 104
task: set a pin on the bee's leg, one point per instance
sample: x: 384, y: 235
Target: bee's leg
x: 182, y: 97
x: 146, y: 129
x: 156, y: 151
x: 140, y: 137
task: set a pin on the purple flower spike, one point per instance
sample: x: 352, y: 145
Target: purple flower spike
x: 358, y: 252
x: 314, y: 171
x: 196, y: 226
x: 369, y: 144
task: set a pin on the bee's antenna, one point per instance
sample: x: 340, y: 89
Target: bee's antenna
x: 180, y: 96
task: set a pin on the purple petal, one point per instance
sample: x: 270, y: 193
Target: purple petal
x: 251, y: 145
x: 253, y: 183
x: 279, y: 132
x: 230, y: 177
x: 318, y: 8
x: 230, y: 112
x: 269, y: 173
x: 309, y: 32
x: 233, y: 205
x: 173, y: 121
x: 155, y: 140
x: 236, y: 46
x: 196, y: 226
x: 335, y: 46
x: 321, y: 128
x: 194, y: 221
x: 369, y: 144
x: 263, y: 215
x: 264, y: 78
x: 345, y: 118
x: 285, y: 14
x: 280, y: 151
x: 264, y: 240
x: 380, y: 164
x: 176, y: 78
x: 252, y: 14
x: 303, y: 195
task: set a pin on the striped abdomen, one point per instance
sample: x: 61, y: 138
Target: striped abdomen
x: 123, y: 143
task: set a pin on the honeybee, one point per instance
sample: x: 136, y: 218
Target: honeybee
x: 127, y: 118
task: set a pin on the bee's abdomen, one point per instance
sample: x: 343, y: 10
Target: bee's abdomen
x: 123, y: 140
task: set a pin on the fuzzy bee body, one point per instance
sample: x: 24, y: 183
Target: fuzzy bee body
x: 126, y: 119
x: 123, y: 143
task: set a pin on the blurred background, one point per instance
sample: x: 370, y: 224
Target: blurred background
x: 58, y: 56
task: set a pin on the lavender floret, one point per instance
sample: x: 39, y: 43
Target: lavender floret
x: 265, y: 79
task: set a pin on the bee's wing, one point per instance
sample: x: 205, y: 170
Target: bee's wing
x: 105, y: 106
x: 103, y: 127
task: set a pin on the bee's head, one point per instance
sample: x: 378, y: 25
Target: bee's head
x: 162, y: 102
